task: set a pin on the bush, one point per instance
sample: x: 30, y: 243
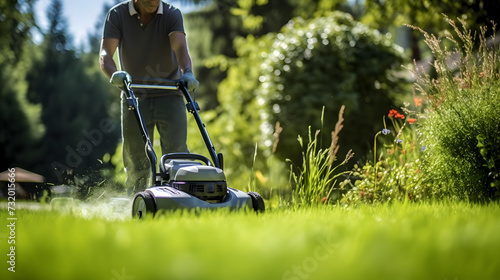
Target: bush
x: 327, y: 62
x: 462, y: 129
x: 462, y: 158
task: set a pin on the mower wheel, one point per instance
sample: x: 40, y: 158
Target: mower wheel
x: 144, y: 205
x: 257, y: 202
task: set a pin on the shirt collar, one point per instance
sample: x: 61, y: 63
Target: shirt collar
x: 132, y: 10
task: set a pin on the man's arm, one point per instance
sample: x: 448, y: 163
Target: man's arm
x: 108, y: 48
x: 179, y: 45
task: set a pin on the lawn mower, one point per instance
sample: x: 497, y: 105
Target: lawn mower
x: 184, y: 180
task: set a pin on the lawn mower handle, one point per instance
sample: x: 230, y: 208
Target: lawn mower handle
x: 156, y: 83
x: 192, y: 107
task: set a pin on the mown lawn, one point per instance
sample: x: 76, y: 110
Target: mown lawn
x: 425, y: 241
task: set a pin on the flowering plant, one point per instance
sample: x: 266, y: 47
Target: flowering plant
x: 394, y: 173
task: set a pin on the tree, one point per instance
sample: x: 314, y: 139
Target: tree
x: 19, y: 124
x: 17, y: 21
x: 94, y: 38
x: 428, y: 15
x: 75, y: 106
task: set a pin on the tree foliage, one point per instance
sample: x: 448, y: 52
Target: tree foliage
x: 19, y: 125
x: 428, y: 15
x: 212, y: 32
x: 75, y: 101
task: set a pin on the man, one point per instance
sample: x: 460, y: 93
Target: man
x: 151, y: 43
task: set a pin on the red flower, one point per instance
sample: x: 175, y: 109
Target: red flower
x: 323, y: 200
x: 412, y: 120
x: 395, y: 114
x: 418, y: 101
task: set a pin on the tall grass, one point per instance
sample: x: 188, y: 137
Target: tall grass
x: 462, y: 127
x: 315, y: 180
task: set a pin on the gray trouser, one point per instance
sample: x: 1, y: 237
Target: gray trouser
x: 168, y: 114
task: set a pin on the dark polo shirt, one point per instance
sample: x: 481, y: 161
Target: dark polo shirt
x: 145, y: 51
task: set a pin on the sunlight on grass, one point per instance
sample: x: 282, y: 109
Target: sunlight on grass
x: 416, y: 241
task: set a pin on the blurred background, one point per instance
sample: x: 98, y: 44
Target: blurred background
x: 268, y: 71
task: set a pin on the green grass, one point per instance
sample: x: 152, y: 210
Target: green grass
x: 413, y: 241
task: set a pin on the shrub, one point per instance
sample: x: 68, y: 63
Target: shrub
x: 462, y: 157
x: 461, y: 132
x: 326, y: 62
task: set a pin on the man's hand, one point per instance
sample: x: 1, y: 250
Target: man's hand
x: 119, y: 78
x: 188, y: 77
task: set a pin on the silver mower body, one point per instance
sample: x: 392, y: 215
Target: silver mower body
x: 190, y: 184
x: 169, y: 198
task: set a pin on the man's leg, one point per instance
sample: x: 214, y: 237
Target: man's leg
x: 171, y: 121
x: 137, y: 165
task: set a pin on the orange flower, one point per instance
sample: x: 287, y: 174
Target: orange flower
x: 394, y: 113
x: 418, y: 101
x: 412, y: 120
